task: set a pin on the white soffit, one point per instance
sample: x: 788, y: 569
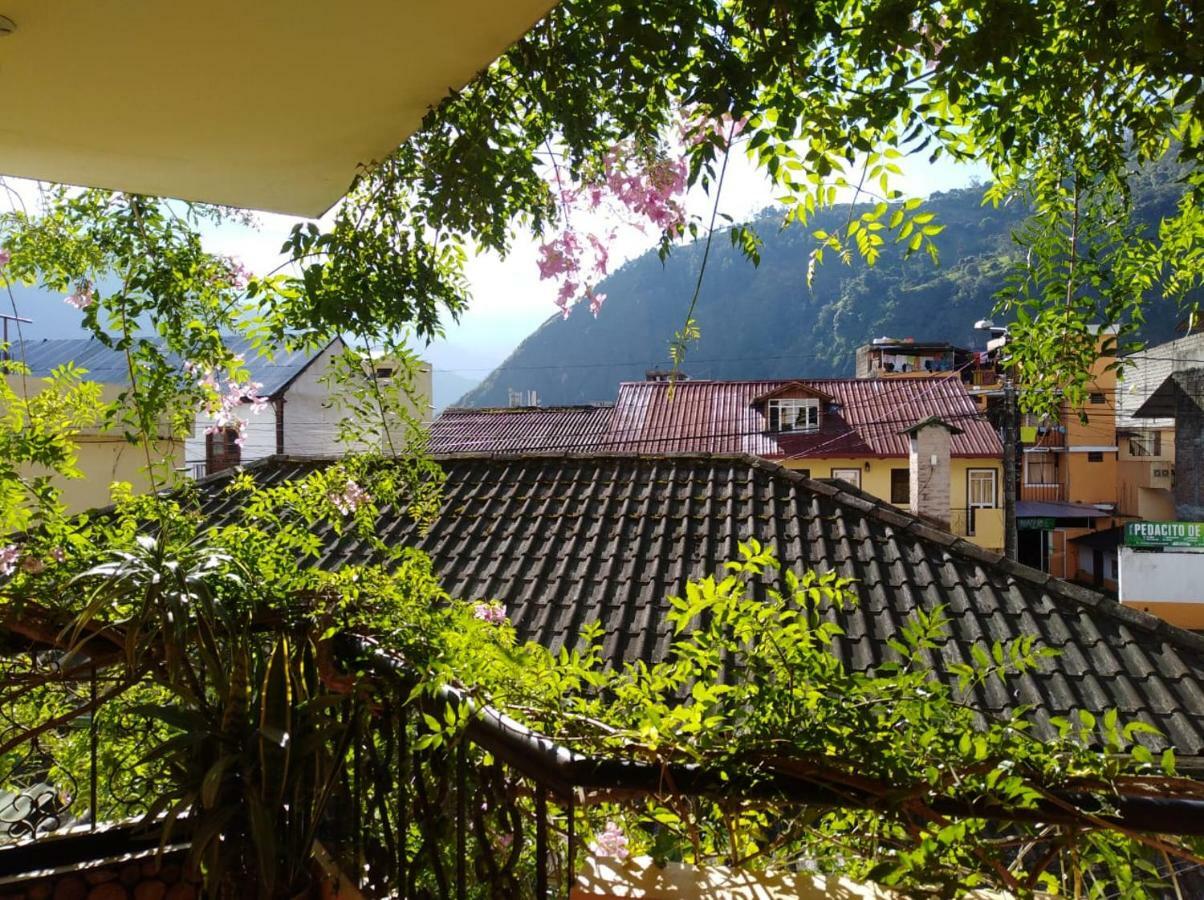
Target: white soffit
x: 266, y: 104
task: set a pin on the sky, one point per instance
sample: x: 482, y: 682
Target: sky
x: 508, y: 300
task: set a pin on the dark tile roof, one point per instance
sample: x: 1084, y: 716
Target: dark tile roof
x: 729, y: 417
x: 108, y: 366
x: 565, y: 540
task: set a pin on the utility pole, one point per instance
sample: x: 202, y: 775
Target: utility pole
x: 1009, y: 468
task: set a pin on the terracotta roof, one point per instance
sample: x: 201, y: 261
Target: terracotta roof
x: 728, y: 417
x: 566, y: 540
x: 724, y: 417
x: 524, y: 428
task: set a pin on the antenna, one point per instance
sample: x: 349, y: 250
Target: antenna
x: 4, y: 354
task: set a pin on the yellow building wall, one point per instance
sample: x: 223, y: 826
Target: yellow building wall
x: 105, y: 460
x: 875, y: 479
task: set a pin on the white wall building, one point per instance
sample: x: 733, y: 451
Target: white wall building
x: 301, y: 417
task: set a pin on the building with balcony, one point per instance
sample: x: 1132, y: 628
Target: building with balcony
x: 886, y: 357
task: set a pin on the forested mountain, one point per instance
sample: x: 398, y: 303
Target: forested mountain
x: 765, y: 322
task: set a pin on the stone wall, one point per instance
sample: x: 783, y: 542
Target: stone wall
x: 146, y: 879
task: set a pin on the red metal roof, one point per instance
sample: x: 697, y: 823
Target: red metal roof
x: 522, y: 428
x: 722, y: 417
x: 864, y: 419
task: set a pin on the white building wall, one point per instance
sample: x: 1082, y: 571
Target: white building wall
x: 311, y: 421
x: 1166, y: 577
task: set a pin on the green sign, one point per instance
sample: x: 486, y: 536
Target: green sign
x: 1165, y: 534
x: 1035, y: 523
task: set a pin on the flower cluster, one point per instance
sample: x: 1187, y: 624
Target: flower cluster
x: 223, y: 403
x: 490, y: 613
x: 611, y: 842
x: 694, y: 131
x: 81, y: 298
x: 351, y: 498
x: 633, y: 187
x: 5, y: 258
x: 238, y: 274
x: 9, y: 557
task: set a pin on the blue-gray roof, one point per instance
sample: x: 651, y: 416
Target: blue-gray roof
x: 108, y: 366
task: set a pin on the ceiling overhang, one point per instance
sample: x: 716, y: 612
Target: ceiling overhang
x: 270, y: 105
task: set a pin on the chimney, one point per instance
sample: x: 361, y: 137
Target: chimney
x: 928, y: 478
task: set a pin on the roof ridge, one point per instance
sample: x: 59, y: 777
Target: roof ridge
x: 848, y: 495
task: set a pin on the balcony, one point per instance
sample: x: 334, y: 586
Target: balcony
x: 1049, y: 493
x: 982, y: 525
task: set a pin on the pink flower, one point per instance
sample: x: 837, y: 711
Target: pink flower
x: 611, y: 842
x: 58, y: 554
x: 596, y: 299
x: 505, y: 840
x: 82, y: 298
x: 351, y: 498
x: 224, y: 406
x: 238, y: 274
x: 5, y: 258
x: 8, y: 559
x: 490, y: 613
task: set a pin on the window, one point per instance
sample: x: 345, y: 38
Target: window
x: 1040, y: 468
x: 900, y: 486
x: 384, y: 372
x: 981, y: 489
x: 1098, y: 399
x: 793, y: 415
x: 1145, y: 443
x: 852, y: 476
x: 1095, y: 456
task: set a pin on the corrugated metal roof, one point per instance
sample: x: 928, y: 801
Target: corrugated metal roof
x: 565, y: 539
x: 1145, y: 372
x: 1056, y: 509
x: 527, y: 428
x: 721, y: 417
x: 108, y: 366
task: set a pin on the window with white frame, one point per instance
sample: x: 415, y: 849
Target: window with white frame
x: 793, y: 414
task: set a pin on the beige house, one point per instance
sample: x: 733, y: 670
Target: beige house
x: 105, y: 457
x: 299, y: 417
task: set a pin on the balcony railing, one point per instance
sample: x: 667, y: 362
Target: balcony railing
x: 1049, y: 493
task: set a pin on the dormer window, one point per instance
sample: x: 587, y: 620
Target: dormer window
x: 793, y: 414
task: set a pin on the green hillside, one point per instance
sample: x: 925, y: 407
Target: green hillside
x: 764, y: 322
